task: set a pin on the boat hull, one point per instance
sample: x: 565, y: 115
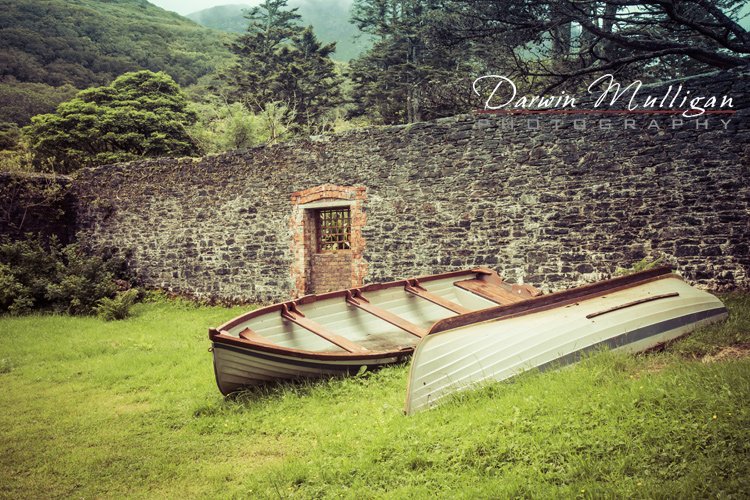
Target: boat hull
x: 337, y: 333
x: 238, y: 367
x: 632, y: 319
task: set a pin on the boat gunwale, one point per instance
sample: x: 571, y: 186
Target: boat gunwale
x: 553, y: 300
x: 528, y: 306
x: 312, y: 355
x: 221, y: 335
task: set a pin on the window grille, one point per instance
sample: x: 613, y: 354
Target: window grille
x: 334, y: 229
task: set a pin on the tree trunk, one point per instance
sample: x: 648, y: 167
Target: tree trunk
x: 561, y: 41
x: 416, y: 114
x: 610, y: 11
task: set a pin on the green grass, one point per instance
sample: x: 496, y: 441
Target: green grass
x: 90, y: 408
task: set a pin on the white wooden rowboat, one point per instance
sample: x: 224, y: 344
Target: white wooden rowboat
x: 632, y: 313
x: 339, y: 332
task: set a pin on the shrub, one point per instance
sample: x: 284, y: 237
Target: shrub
x: 63, y: 279
x: 9, y: 135
x: 642, y: 265
x: 81, y: 281
x: 27, y: 268
x: 15, y: 160
x: 118, y: 307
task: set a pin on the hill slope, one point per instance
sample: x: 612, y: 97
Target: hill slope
x: 329, y: 18
x: 50, y: 48
x: 89, y: 42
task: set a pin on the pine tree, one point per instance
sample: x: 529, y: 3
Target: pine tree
x: 280, y: 61
x: 395, y: 80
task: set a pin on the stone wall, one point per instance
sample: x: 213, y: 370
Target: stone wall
x: 554, y: 206
x: 39, y: 204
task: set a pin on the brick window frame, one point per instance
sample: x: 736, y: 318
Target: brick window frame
x: 305, y: 206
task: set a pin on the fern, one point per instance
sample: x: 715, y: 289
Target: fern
x: 118, y: 307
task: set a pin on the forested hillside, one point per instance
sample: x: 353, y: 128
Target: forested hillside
x: 329, y: 18
x: 83, y: 43
x: 89, y: 42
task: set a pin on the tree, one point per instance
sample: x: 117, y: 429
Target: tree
x: 140, y: 114
x: 661, y: 38
x: 224, y: 127
x: 399, y: 79
x: 314, y: 82
x: 278, y: 61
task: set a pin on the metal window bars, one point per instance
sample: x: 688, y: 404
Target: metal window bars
x: 334, y: 229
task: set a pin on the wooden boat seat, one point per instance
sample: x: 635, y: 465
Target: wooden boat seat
x: 290, y: 312
x: 490, y: 291
x: 355, y: 298
x: 249, y: 334
x: 413, y: 287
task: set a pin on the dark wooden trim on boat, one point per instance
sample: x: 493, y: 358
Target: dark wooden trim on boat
x: 633, y: 303
x: 356, y: 299
x: 415, y: 288
x: 291, y: 313
x: 489, y: 292
x: 249, y: 315
x: 224, y: 337
x: 552, y: 300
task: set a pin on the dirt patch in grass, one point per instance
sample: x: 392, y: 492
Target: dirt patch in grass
x: 732, y: 352
x: 656, y: 366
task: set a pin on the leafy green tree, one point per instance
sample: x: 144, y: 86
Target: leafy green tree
x: 224, y: 127
x: 139, y: 114
x: 279, y: 61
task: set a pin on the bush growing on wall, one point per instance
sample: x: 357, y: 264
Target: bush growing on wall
x: 53, y: 277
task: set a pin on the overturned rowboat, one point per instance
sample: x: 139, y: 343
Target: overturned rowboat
x: 631, y: 313
x: 339, y: 332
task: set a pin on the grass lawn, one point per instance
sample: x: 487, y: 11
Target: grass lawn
x: 130, y: 408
